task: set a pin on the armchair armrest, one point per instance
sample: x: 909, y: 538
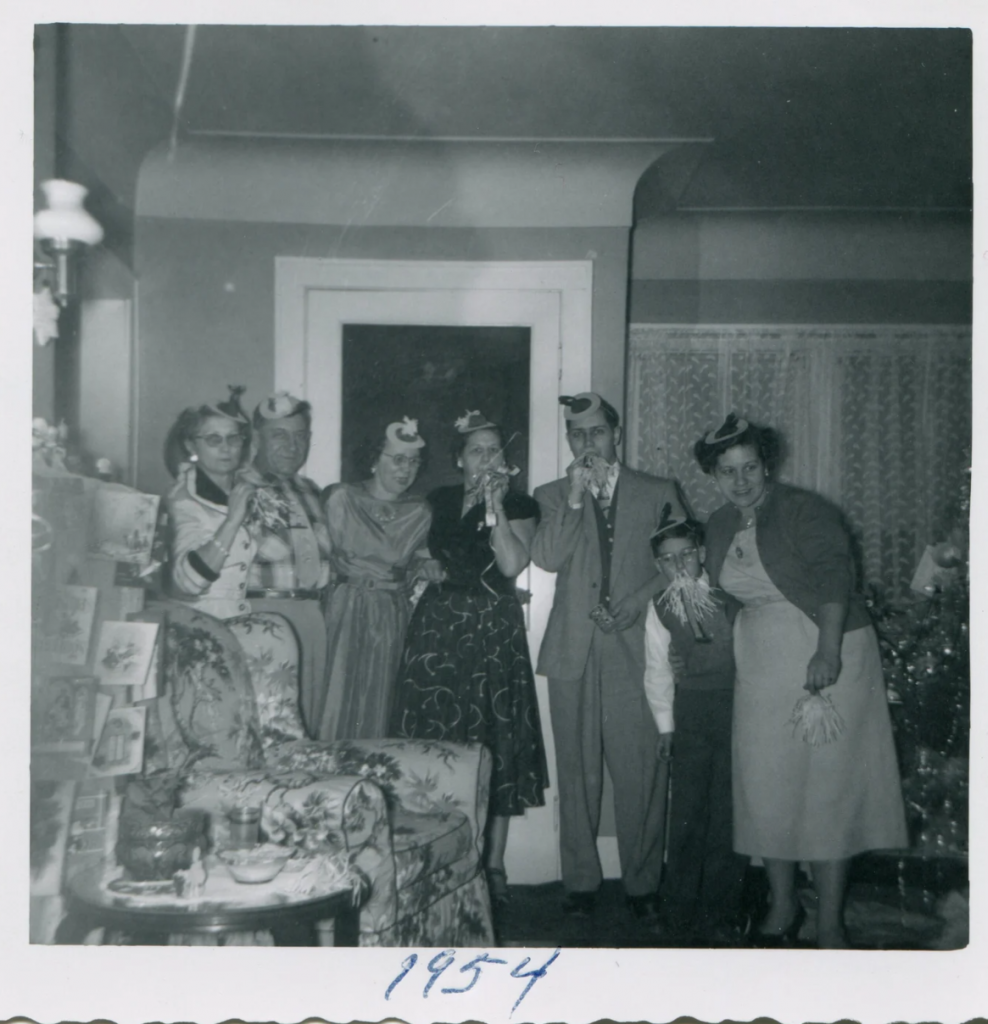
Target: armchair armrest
x: 426, y: 776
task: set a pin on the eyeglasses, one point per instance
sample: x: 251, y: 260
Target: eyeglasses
x: 579, y: 434
x: 401, y: 461
x: 283, y: 437
x: 676, y: 557
x: 218, y: 440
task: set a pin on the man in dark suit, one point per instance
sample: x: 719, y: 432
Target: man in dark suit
x: 594, y: 534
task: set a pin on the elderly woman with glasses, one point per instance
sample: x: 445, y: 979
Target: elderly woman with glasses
x: 211, y: 545
x: 378, y: 538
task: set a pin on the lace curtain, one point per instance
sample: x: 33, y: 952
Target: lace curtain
x: 877, y: 418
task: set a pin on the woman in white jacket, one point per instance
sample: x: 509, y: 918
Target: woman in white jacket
x: 211, y: 547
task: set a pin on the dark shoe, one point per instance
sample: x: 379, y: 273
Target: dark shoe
x: 645, y: 909
x: 497, y: 885
x: 785, y: 939
x: 579, y: 904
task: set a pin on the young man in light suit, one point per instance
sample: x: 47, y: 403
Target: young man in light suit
x: 594, y: 534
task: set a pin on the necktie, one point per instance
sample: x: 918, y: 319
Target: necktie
x: 604, y: 497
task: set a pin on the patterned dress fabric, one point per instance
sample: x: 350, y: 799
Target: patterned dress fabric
x: 465, y: 673
x: 794, y: 801
x: 374, y: 544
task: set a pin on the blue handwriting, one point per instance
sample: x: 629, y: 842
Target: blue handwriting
x: 441, y: 961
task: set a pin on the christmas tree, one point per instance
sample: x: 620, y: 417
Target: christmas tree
x: 925, y: 651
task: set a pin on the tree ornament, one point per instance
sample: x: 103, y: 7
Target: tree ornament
x: 947, y: 555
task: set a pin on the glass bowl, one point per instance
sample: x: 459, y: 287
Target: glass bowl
x: 260, y: 864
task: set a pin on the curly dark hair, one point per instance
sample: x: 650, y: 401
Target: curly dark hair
x: 764, y: 440
x: 691, y: 529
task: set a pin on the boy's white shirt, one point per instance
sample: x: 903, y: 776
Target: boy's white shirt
x: 659, y: 680
x: 660, y: 683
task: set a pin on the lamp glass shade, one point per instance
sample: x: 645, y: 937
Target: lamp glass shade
x: 66, y: 220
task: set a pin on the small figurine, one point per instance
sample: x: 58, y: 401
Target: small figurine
x: 190, y: 883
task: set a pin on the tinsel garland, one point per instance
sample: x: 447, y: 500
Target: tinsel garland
x: 686, y: 595
x: 818, y: 719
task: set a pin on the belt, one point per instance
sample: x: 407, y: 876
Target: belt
x: 369, y: 583
x: 292, y: 595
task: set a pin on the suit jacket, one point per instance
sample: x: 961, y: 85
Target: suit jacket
x: 567, y: 543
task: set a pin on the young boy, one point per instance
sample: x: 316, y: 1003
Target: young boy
x: 689, y: 625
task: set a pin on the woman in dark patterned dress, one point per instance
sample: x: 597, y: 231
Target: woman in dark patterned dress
x: 465, y: 674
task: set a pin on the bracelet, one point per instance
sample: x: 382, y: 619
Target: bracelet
x: 222, y: 547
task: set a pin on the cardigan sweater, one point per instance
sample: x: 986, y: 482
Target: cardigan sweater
x: 804, y: 547
x: 196, y: 510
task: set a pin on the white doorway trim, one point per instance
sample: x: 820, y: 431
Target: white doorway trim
x: 351, y: 282
x: 314, y: 298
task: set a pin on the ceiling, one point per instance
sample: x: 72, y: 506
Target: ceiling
x: 818, y: 118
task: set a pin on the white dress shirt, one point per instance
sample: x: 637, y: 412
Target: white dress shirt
x: 659, y: 680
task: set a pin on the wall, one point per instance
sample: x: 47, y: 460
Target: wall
x: 206, y: 302
x: 802, y: 267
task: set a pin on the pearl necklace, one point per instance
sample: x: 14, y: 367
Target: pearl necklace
x: 385, y: 512
x: 382, y: 510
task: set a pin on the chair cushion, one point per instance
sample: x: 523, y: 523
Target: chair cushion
x: 271, y: 649
x: 205, y: 712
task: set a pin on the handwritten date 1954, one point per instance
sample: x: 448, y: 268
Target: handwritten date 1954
x: 441, y: 961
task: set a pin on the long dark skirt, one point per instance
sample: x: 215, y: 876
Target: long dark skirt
x: 466, y: 676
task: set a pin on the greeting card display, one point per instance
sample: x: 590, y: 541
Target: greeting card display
x: 70, y: 625
x: 87, y: 831
x: 103, y: 704
x: 120, y: 750
x: 124, y: 653
x: 63, y: 712
x: 123, y: 525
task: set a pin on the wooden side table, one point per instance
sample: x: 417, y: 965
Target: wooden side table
x: 291, y: 921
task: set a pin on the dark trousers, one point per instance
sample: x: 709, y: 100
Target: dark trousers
x: 604, y: 716
x: 704, y: 876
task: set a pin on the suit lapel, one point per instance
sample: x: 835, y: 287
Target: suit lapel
x: 625, y: 512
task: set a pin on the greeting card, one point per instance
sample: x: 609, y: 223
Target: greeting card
x: 124, y: 653
x: 120, y: 750
x: 123, y: 525
x: 63, y: 711
x: 70, y: 625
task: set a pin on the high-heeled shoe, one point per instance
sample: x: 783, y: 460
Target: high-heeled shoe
x: 784, y: 939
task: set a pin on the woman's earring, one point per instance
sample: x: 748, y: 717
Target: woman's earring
x: 193, y: 457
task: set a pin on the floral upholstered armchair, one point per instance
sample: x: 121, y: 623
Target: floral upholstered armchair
x: 408, y: 815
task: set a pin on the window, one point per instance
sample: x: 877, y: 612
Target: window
x: 877, y: 418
